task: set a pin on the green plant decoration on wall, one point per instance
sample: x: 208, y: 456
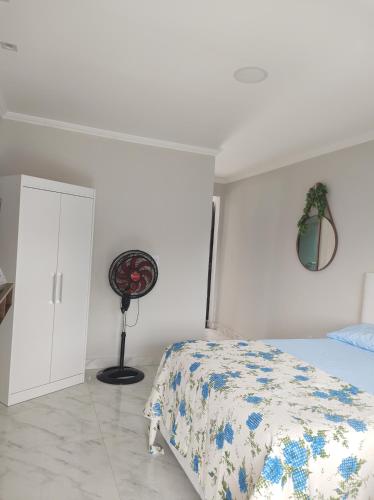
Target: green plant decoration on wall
x: 316, y: 197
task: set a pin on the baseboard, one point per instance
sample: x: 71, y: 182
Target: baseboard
x: 136, y: 361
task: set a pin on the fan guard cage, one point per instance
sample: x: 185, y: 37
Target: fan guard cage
x: 134, y: 273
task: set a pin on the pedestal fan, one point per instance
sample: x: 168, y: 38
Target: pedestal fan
x: 132, y: 275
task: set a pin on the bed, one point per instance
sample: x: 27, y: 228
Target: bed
x: 271, y: 419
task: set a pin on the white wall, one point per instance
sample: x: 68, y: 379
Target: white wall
x: 154, y: 199
x: 264, y: 290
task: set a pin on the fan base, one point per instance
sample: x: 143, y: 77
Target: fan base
x: 120, y: 376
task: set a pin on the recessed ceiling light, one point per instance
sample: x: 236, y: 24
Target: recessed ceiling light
x: 250, y: 74
x: 9, y: 46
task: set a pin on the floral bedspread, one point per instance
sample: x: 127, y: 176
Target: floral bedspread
x: 257, y: 423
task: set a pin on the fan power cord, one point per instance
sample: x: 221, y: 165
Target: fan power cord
x: 136, y: 321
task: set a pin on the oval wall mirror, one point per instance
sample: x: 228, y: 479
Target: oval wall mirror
x: 317, y: 239
x: 317, y: 245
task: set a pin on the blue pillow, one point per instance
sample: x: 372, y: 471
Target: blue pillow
x: 361, y: 335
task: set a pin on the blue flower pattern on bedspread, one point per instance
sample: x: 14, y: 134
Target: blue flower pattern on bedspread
x: 256, y: 423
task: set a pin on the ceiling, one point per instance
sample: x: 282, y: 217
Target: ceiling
x: 162, y: 71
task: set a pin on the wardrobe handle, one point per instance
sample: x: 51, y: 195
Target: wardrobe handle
x: 53, y: 294
x: 60, y: 283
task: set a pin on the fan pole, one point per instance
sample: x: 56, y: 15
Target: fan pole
x: 121, y: 374
x: 123, y: 341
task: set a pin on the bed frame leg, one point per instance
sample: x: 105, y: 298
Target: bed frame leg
x: 154, y: 449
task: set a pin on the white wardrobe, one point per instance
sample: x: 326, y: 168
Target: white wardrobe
x: 45, y: 249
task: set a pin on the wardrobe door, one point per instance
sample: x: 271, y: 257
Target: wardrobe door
x: 34, y: 306
x: 73, y: 286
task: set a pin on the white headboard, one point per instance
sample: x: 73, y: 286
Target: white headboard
x: 367, y: 313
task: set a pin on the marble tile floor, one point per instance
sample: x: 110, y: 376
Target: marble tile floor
x: 88, y: 442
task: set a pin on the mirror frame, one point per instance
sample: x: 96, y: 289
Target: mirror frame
x: 327, y: 215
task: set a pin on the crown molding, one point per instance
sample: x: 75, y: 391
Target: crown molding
x: 220, y: 180
x: 298, y: 158
x: 108, y: 134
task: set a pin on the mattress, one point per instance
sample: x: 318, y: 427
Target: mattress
x: 349, y: 363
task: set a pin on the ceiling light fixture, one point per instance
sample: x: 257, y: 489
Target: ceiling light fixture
x: 9, y: 46
x: 250, y: 74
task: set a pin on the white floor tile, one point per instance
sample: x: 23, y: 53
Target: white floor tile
x: 87, y: 442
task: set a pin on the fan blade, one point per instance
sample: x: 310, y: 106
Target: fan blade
x: 133, y: 263
x: 122, y: 280
x: 143, y: 284
x: 147, y: 274
x: 122, y: 273
x: 124, y: 287
x: 144, y: 263
x: 124, y: 266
